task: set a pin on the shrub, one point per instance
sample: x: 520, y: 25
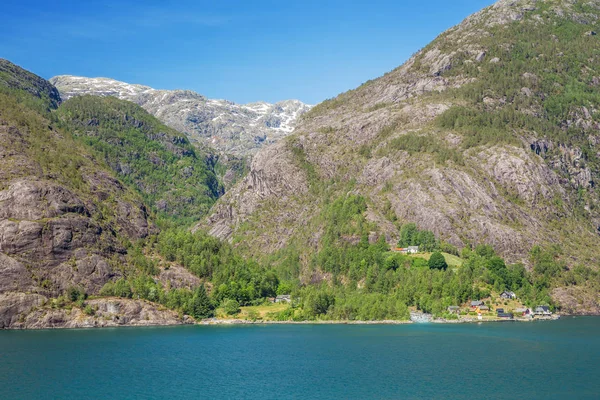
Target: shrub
x: 437, y: 261
x: 231, y: 307
x: 75, y: 294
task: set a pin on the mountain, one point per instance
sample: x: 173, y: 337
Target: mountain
x: 64, y: 219
x: 239, y: 129
x: 488, y: 135
x: 83, y: 184
x: 176, y: 180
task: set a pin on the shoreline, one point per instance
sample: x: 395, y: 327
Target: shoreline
x: 238, y: 322
x: 218, y: 321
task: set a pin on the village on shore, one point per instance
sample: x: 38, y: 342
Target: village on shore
x: 507, y: 308
x: 495, y: 307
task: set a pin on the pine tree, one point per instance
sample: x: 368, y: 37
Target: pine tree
x: 202, y: 306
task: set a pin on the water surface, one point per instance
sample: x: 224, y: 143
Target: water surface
x: 542, y: 360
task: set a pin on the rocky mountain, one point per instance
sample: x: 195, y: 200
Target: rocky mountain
x: 239, y: 129
x: 74, y: 184
x: 490, y: 134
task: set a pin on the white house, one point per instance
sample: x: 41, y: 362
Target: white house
x: 508, y: 295
x: 413, y: 249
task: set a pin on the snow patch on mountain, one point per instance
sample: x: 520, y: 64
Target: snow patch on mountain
x: 239, y: 129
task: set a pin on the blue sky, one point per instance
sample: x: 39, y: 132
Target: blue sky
x: 237, y: 50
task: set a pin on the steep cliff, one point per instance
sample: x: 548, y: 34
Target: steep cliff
x: 488, y: 135
x: 65, y: 219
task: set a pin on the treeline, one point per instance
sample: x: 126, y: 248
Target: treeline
x: 232, y: 276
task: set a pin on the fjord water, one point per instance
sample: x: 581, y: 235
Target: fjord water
x: 541, y: 360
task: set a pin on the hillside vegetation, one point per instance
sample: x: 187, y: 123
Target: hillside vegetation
x: 176, y: 179
x: 487, y: 136
x: 84, y: 186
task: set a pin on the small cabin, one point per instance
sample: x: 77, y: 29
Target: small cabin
x: 484, y: 309
x: 407, y: 250
x: 283, y: 298
x: 500, y: 311
x: 508, y: 295
x: 476, y: 303
x: 454, y: 309
x: 542, y: 310
x: 412, y: 250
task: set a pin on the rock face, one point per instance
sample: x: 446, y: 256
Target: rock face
x: 239, y: 129
x: 65, y: 220
x: 31, y: 311
x: 390, y: 141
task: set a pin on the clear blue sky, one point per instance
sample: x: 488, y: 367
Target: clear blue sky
x: 237, y: 50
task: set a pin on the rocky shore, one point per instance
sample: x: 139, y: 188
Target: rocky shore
x: 33, y: 311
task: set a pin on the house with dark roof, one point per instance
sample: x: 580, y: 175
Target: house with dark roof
x: 454, y: 309
x: 500, y: 311
x: 476, y: 303
x: 505, y: 315
x: 542, y: 310
x: 484, y: 309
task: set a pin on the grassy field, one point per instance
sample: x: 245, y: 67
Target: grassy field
x: 261, y: 310
x: 452, y: 260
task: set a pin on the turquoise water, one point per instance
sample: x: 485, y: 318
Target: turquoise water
x: 543, y: 360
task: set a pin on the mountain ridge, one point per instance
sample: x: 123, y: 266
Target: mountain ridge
x: 522, y: 176
x: 239, y: 129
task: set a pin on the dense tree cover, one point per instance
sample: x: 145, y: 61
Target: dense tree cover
x: 207, y: 257
x: 202, y: 305
x: 552, y: 60
x: 175, y: 179
x: 196, y: 303
x: 231, y: 307
x: 410, y: 235
x: 413, y: 143
x: 364, y: 280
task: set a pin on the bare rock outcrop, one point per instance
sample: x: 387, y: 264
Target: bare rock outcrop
x: 30, y: 312
x: 65, y: 219
x: 273, y: 175
x: 15, y: 306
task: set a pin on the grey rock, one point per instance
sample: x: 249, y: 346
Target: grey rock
x: 239, y: 129
x: 28, y: 312
x: 15, y: 306
x: 501, y: 195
